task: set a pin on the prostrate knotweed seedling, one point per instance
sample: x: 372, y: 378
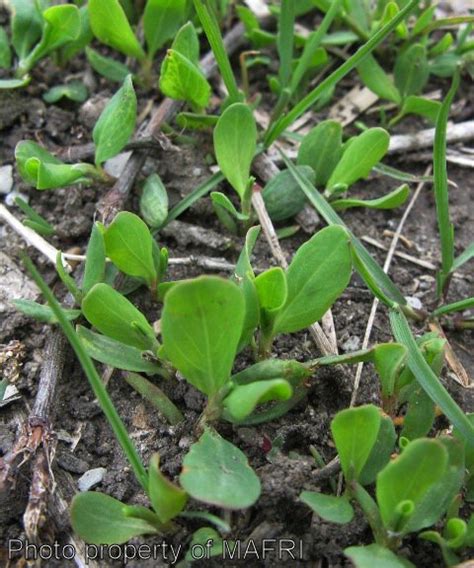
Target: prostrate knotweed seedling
x: 412, y: 492
x: 111, y: 133
x: 110, y: 25
x: 38, y: 30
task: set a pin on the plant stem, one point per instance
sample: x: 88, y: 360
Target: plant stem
x: 98, y: 388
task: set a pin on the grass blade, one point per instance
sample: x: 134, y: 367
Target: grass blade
x: 214, y: 37
x: 445, y: 227
x: 464, y: 257
x: 427, y: 379
x: 285, y: 41
x: 98, y: 388
x: 274, y: 132
x: 460, y: 306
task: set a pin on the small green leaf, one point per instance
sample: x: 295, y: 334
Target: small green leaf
x: 243, y: 399
x: 393, y: 199
x: 110, y: 26
x: 161, y: 20
x: 26, y: 25
x: 115, y: 353
x: 34, y: 219
x: 321, y: 149
x: 376, y: 555
x: 201, y: 537
x: 355, y: 432
x: 272, y: 289
x: 282, y: 195
x: 221, y: 201
x: 408, y: 478
x: 106, y: 66
x: 154, y: 201
x: 269, y: 369
x: 421, y: 106
x: 411, y: 70
x: 167, y: 499
x: 381, y: 451
x: 115, y: 316
x: 375, y: 78
x: 389, y: 359
x: 116, y: 123
x: 317, y: 276
x: 42, y: 313
x: 329, y: 507
x: 100, y: 519
x: 94, y: 269
x: 360, y: 156
x: 202, y: 323
x: 186, y: 42
x: 72, y: 48
x: 74, y: 91
x: 14, y: 83
x: 27, y: 149
x: 129, y: 245
x: 5, y: 51
x: 48, y: 175
x: 182, y: 80
x: 235, y: 142
x: 218, y: 473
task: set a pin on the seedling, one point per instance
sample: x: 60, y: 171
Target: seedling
x: 413, y: 491
x: 109, y: 24
x: 111, y: 133
x: 36, y: 32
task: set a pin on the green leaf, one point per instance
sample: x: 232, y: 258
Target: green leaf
x: 51, y: 175
x: 464, y: 257
x: 360, y: 156
x: 14, y: 83
x: 115, y: 316
x: 42, y: 313
x: 375, y: 555
x: 381, y: 451
x: 5, y: 51
x: 34, y: 219
x: 167, y: 499
x: 72, y: 48
x: 243, y: 399
x: 329, y: 507
x: 161, y: 20
x: 408, y: 478
x: 375, y: 78
x: 110, y: 26
x: 411, y: 70
x: 129, y: 245
x: 272, y: 289
x: 100, y: 519
x: 182, y: 80
x: 421, y: 106
x: 154, y: 201
x: 389, y: 359
x: 221, y: 201
x: 235, y: 143
x: 355, y: 432
x: 201, y: 537
x: 321, y: 149
x: 116, y: 123
x: 269, y: 369
x: 317, y: 276
x: 74, y: 91
x: 202, y: 323
x: 115, y: 353
x: 94, y: 269
x: 27, y: 149
x: 106, y: 66
x: 427, y: 378
x: 393, y: 199
x: 26, y: 25
x: 186, y: 42
x: 282, y: 195
x: 218, y: 473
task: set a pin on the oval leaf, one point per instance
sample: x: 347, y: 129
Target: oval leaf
x: 154, y: 201
x: 318, y: 274
x: 129, y: 245
x: 116, y: 123
x: 235, y: 143
x: 218, y: 473
x: 355, y: 432
x: 110, y: 25
x: 361, y: 155
x: 283, y: 196
x: 115, y: 316
x: 412, y: 70
x: 100, y: 519
x: 106, y: 66
x: 167, y: 499
x: 329, y: 507
x: 202, y: 323
x: 375, y: 555
x: 161, y: 20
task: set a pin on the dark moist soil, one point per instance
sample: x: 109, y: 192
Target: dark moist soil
x: 288, y: 468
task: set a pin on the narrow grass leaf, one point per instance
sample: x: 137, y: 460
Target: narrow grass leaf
x: 393, y: 199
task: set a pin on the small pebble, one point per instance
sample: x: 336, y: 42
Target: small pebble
x: 71, y: 463
x: 10, y: 198
x: 6, y: 179
x: 352, y: 344
x: 91, y: 478
x: 414, y: 303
